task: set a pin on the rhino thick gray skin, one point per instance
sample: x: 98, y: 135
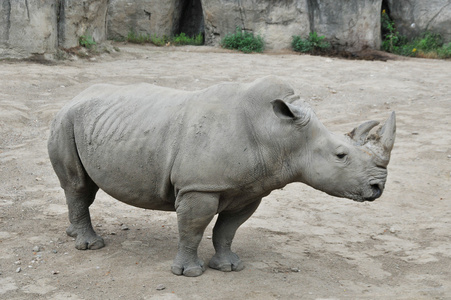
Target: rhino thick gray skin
x: 214, y: 151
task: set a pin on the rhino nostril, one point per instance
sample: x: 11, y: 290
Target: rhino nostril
x: 376, y: 190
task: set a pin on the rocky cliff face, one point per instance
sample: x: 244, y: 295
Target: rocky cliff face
x: 351, y: 25
x: 27, y: 27
x: 141, y: 16
x: 414, y: 17
x: 81, y: 17
x: 30, y: 27
x: 154, y: 17
x: 275, y: 21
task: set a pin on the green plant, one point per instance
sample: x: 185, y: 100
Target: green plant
x: 243, y: 41
x: 428, y: 45
x: 137, y: 38
x: 312, y: 44
x: 429, y: 42
x: 431, y: 45
x: 444, y: 51
x: 183, y: 39
x: 86, y: 41
x: 158, y: 41
x: 180, y: 39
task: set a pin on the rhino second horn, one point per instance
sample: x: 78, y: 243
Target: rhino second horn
x: 360, y: 133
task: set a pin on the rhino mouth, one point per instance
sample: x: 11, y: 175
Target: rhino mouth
x: 377, y: 192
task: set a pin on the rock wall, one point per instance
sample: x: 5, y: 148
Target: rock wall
x: 275, y: 21
x: 152, y: 17
x: 81, y: 17
x: 414, y: 17
x: 351, y: 25
x: 141, y: 16
x: 29, y: 27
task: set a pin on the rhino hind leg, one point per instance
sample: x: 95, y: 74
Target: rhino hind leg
x: 194, y: 213
x: 80, y: 226
x: 78, y: 198
x: 78, y: 187
x: 223, y: 233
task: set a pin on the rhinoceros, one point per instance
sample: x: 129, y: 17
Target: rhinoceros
x: 200, y: 153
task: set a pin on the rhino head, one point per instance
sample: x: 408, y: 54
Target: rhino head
x: 352, y: 166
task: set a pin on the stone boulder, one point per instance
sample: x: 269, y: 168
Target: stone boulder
x: 81, y: 18
x: 28, y: 28
x: 275, y: 21
x: 352, y: 25
x: 160, y: 18
x: 141, y: 16
x: 414, y: 17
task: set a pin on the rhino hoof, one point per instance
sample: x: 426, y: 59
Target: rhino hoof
x: 85, y: 239
x: 226, y: 264
x: 193, y: 272
x: 189, y: 272
x: 95, y: 244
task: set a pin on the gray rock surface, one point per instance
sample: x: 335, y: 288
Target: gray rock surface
x: 413, y: 17
x: 78, y: 18
x: 349, y: 25
x: 141, y: 16
x: 27, y: 27
x: 353, y: 25
x: 275, y: 21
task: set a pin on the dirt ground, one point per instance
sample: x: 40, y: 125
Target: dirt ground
x: 300, y: 244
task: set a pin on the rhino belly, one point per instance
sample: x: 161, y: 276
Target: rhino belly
x: 126, y: 154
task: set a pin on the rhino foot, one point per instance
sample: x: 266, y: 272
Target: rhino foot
x: 85, y: 238
x: 226, y: 262
x: 189, y: 270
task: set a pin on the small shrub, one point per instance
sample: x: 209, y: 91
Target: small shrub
x: 444, y: 51
x: 178, y: 40
x: 183, y: 39
x: 429, y: 42
x: 86, y: 41
x: 312, y: 44
x: 429, y: 45
x: 243, y: 41
x: 137, y: 38
x: 158, y: 41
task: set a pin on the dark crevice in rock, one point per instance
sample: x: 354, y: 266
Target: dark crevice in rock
x: 312, y: 6
x: 60, y: 24
x: 385, y: 7
x: 190, y: 19
x: 242, y: 16
x: 8, y: 19
x: 28, y: 9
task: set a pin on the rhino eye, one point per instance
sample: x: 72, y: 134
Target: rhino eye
x: 341, y: 155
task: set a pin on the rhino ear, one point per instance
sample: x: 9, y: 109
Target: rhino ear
x: 286, y: 111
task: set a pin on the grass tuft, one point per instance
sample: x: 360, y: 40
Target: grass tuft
x: 243, y: 41
x: 313, y: 44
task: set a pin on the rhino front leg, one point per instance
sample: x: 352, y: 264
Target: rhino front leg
x: 223, y: 233
x: 194, y: 213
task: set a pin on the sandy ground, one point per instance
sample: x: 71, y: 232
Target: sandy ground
x: 300, y: 244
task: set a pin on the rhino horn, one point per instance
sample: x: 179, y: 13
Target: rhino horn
x: 381, y: 143
x: 387, y: 133
x: 360, y: 133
